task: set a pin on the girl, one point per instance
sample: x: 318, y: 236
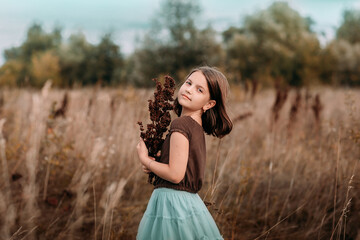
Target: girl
x: 175, y: 210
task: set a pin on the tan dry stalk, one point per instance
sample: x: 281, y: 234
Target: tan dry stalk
x: 109, y: 201
x: 7, y: 208
x: 336, y: 176
x: 268, y: 194
x: 80, y: 202
x: 38, y: 117
x: 94, y: 209
x: 277, y: 224
x: 46, y: 180
x: 15, y: 233
x: 215, y: 167
x: 291, y: 184
x: 344, y: 210
x: 80, y: 184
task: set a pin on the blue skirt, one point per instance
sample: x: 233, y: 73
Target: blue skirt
x: 172, y: 214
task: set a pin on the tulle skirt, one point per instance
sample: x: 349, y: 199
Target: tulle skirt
x: 172, y: 214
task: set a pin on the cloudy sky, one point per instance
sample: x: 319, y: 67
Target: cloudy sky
x: 130, y: 18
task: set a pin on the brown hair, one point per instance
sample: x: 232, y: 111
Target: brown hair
x: 215, y: 120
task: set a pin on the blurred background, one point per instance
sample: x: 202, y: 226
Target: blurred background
x: 77, y: 43
x: 288, y: 169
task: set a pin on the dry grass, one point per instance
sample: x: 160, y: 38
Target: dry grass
x: 77, y: 176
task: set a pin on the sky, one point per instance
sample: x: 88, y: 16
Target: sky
x: 129, y: 19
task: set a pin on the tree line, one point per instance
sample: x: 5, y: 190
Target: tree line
x: 273, y: 46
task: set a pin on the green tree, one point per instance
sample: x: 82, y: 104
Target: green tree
x: 83, y: 63
x: 37, y: 41
x: 275, y: 44
x: 73, y: 57
x: 349, y: 29
x: 174, y: 44
x: 109, y: 61
x: 45, y: 66
x: 341, y: 63
x: 340, y: 59
x: 9, y: 73
x: 44, y: 55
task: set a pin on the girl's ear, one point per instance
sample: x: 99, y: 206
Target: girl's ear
x: 209, y: 105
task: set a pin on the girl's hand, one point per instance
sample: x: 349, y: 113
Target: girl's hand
x: 145, y: 169
x: 142, y: 152
x: 145, y: 159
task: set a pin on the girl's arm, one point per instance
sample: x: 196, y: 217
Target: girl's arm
x: 178, y: 157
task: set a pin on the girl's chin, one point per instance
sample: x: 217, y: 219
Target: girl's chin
x: 182, y: 101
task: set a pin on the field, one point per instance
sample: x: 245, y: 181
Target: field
x: 69, y: 168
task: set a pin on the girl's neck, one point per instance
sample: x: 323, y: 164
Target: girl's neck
x: 195, y: 115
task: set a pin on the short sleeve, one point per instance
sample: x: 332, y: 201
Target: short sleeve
x: 180, y: 125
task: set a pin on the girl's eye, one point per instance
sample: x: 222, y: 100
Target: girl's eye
x: 200, y: 90
x: 189, y: 83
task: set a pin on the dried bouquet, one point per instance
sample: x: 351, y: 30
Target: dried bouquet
x: 159, y: 109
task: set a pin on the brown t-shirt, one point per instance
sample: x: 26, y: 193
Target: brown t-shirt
x: 194, y: 174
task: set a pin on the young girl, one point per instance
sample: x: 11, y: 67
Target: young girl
x: 175, y: 210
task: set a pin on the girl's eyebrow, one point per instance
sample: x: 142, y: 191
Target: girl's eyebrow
x: 196, y: 84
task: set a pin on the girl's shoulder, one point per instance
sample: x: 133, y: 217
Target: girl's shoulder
x: 186, y: 125
x: 180, y: 122
x: 183, y: 125
x: 179, y: 119
x: 185, y: 121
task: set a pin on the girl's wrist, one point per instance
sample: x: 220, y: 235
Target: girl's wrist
x: 144, y: 160
x: 149, y: 163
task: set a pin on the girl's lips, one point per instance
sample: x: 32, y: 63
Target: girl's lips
x: 186, y: 97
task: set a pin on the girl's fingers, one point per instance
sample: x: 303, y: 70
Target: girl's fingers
x: 145, y: 169
x: 141, y: 149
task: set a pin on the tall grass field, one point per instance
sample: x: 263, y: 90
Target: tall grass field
x: 288, y: 170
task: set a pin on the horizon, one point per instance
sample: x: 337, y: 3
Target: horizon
x: 119, y: 18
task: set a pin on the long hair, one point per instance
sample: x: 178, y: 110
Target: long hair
x: 215, y: 120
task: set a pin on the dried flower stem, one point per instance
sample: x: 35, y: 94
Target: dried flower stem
x: 160, y: 117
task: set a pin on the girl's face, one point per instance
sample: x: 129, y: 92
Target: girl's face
x: 194, y: 94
